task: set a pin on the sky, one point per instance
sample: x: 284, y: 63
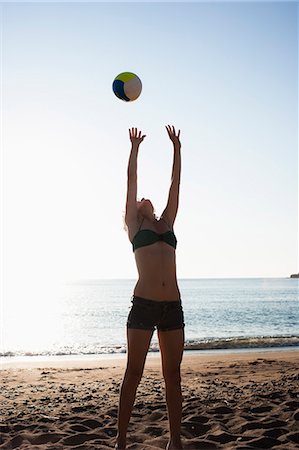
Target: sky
x: 225, y: 74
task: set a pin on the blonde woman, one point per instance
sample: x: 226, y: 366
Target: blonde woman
x: 156, y: 302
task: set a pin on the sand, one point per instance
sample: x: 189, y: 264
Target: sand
x: 230, y: 401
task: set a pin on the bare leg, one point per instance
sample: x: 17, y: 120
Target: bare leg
x: 172, y: 346
x: 138, y: 344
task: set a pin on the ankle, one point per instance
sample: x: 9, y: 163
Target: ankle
x: 120, y: 443
x: 120, y: 446
x: 174, y: 444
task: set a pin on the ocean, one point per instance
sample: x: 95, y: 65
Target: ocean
x: 89, y: 317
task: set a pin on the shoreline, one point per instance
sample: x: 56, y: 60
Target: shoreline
x: 92, y: 361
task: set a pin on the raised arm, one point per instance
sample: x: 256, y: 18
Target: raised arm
x: 131, y: 207
x: 170, y: 212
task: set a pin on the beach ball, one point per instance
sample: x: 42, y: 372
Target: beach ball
x: 127, y: 86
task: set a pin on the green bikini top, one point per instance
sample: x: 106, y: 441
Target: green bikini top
x: 148, y: 237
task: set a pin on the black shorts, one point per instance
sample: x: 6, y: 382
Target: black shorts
x: 149, y: 314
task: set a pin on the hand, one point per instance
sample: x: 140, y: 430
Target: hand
x: 136, y: 137
x: 175, y: 138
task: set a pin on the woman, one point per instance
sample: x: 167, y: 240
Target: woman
x: 156, y: 300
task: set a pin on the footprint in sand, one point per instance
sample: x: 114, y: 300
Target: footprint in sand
x: 111, y: 431
x: 19, y: 427
x: 91, y: 423
x: 273, y: 395
x: 44, y: 438
x: 294, y: 437
x: 248, y: 417
x: 261, y: 409
x: 79, y: 428
x: 79, y: 408
x: 158, y: 415
x: 263, y: 442
x: 154, y: 431
x: 4, y: 428
x: 112, y: 412
x: 222, y: 437
x: 196, y: 418
x: 263, y: 425
x: 222, y: 410
x: 194, y: 428
x: 291, y: 405
x: 79, y: 438
x: 15, y: 442
x: 275, y: 432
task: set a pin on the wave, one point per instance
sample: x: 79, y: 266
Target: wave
x: 237, y: 342
x: 242, y: 342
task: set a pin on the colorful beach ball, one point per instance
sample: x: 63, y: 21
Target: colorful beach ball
x: 127, y: 86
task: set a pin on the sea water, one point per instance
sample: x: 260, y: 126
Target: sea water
x: 89, y: 317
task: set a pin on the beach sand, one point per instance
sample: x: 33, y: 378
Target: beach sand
x: 230, y: 401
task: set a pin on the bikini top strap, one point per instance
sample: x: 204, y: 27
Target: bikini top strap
x: 167, y: 223
x: 141, y: 224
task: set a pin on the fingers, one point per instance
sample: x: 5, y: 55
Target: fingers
x: 133, y: 132
x: 136, y: 135
x: 171, y: 131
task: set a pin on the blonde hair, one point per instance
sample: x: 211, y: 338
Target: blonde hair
x: 125, y: 226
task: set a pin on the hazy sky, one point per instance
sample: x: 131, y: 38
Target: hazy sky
x: 224, y: 73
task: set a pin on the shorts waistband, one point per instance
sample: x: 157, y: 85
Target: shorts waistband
x: 146, y: 301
